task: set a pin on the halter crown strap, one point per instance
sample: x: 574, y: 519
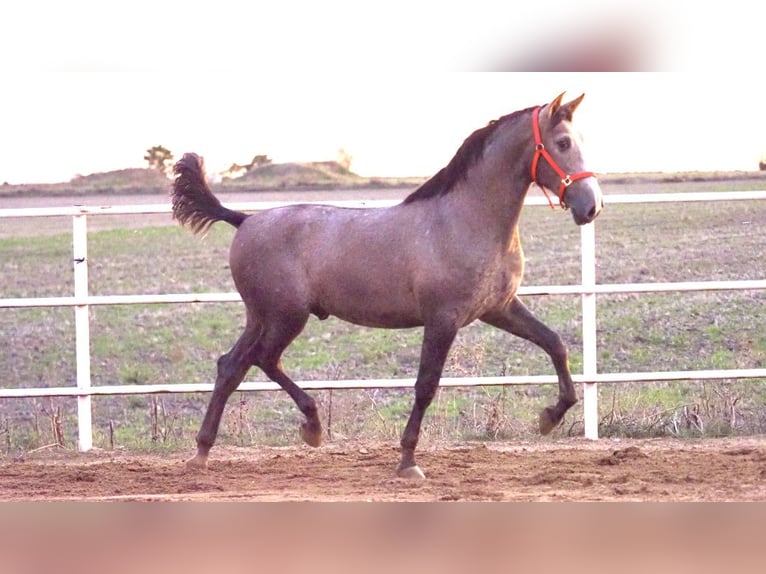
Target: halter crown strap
x: 540, y: 151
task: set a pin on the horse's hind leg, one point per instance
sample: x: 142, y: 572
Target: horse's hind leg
x: 518, y: 320
x: 278, y: 334
x: 232, y: 368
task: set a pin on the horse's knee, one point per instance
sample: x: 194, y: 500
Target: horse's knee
x: 225, y: 367
x: 424, y: 394
x: 558, y: 348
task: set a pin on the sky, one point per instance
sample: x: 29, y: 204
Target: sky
x: 89, y: 86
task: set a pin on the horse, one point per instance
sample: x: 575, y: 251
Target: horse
x: 447, y: 255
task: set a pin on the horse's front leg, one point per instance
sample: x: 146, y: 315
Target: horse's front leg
x: 518, y: 320
x: 436, y: 345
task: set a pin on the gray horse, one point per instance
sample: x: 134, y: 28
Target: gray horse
x: 448, y: 255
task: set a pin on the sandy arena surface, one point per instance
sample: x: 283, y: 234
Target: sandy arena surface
x: 561, y: 470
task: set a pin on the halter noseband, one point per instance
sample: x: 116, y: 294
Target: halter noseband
x: 540, y: 151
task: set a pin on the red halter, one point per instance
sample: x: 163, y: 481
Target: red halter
x: 540, y: 151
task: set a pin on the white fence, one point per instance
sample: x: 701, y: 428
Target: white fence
x: 587, y: 289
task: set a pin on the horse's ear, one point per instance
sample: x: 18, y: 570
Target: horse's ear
x: 572, y: 106
x: 565, y: 111
x: 554, y: 106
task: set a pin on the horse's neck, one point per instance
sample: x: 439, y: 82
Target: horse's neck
x: 489, y: 201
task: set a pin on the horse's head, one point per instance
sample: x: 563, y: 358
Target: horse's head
x: 558, y: 161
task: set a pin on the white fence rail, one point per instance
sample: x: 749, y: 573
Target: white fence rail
x: 587, y: 289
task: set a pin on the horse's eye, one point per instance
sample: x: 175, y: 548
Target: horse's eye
x: 564, y: 144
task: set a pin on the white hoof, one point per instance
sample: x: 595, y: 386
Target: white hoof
x: 197, y: 463
x: 412, y: 472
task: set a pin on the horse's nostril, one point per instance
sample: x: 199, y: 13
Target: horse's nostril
x: 592, y: 213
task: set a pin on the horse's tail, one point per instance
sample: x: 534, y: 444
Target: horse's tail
x: 194, y: 205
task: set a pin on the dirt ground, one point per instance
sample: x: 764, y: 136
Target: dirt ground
x: 562, y: 470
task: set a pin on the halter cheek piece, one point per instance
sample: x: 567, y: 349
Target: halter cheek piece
x: 540, y: 151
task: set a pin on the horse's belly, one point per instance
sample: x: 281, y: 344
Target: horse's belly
x: 369, y: 305
x: 381, y: 320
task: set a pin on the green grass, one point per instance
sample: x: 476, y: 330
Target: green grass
x: 180, y: 343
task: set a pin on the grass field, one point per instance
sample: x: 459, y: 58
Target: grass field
x: 180, y: 343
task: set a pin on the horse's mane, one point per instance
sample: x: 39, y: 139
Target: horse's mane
x: 466, y: 156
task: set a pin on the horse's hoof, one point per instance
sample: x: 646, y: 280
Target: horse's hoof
x: 411, y: 472
x: 312, y: 437
x: 198, y: 462
x: 547, y: 424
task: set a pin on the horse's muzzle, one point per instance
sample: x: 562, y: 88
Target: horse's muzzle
x: 585, y: 201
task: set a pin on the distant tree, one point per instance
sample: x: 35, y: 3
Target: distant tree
x: 159, y: 158
x: 258, y: 161
x: 344, y: 159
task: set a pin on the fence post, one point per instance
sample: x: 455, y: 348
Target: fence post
x: 589, y: 340
x: 82, y: 329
